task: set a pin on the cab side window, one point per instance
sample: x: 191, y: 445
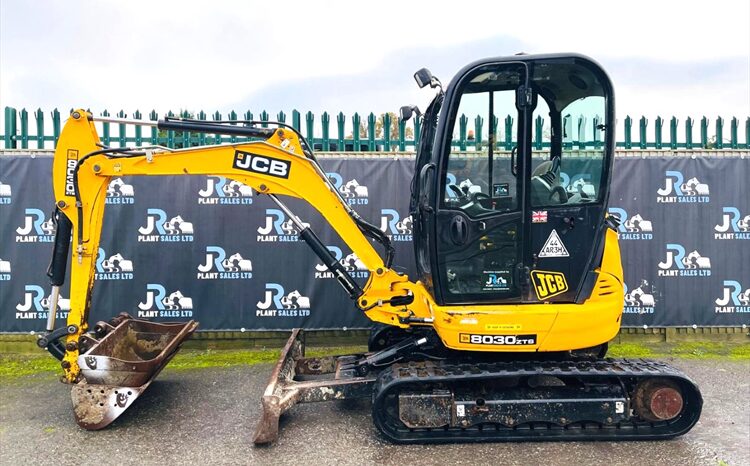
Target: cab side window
x: 571, y: 173
x: 480, y: 179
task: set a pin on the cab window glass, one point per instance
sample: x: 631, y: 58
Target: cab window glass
x: 568, y: 170
x: 480, y: 180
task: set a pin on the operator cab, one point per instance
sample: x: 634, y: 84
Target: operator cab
x: 512, y: 181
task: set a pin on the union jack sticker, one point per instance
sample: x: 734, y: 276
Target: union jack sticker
x: 539, y: 216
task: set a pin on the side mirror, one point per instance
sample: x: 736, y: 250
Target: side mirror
x: 406, y: 112
x: 423, y: 77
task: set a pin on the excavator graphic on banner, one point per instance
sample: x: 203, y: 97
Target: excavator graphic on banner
x: 519, y: 287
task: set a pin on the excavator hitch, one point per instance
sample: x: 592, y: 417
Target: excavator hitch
x: 121, y: 364
x: 297, y: 379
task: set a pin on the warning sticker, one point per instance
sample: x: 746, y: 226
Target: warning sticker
x: 554, y: 247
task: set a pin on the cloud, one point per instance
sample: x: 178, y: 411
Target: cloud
x: 338, y: 56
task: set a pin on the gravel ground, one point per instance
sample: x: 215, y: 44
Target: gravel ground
x: 207, y: 416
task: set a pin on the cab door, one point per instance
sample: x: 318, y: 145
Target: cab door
x: 480, y: 210
x: 569, y: 179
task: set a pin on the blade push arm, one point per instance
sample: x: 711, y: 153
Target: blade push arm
x: 276, y: 167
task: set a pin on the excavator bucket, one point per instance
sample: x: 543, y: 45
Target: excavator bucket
x: 121, y: 365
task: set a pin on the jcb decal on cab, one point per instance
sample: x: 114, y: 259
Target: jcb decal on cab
x: 548, y: 284
x: 261, y: 164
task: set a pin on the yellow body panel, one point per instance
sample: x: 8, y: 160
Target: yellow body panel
x: 557, y: 326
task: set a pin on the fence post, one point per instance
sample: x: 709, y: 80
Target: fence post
x: 733, y: 133
x: 719, y: 133
x: 387, y: 132
x: 185, y: 134
x: 281, y: 117
x: 39, y: 117
x: 56, y: 126
x: 121, y: 129
x: 201, y: 135
x: 325, y: 121
x: 478, y: 123
x: 264, y: 117
x: 747, y: 133
x: 232, y: 117
x: 704, y: 132
x: 153, y: 116
x: 508, y: 132
x: 689, y: 133
x: 581, y: 132
x: 401, y: 134
x: 371, y: 131
x: 309, y: 120
x: 10, y: 128
x: 628, y: 132
x: 463, y: 121
x: 597, y: 121
x: 105, y: 129
x: 138, y: 129
x: 170, y: 133
x: 217, y: 117
x: 643, y: 141
x: 296, y: 121
x: 673, y: 133
x: 538, y: 132
x: 356, y: 125
x: 658, y: 125
x: 494, y: 128
x: 24, y: 117
x: 248, y: 117
x: 567, y: 127
x: 340, y: 127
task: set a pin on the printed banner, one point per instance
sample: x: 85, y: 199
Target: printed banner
x: 209, y: 249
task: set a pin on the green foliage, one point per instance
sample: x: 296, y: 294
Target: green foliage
x: 408, y: 131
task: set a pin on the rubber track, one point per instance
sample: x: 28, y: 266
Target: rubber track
x: 626, y: 372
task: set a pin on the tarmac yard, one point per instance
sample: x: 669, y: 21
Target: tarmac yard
x: 208, y: 415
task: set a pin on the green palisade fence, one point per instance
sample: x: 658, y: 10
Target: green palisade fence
x: 374, y: 133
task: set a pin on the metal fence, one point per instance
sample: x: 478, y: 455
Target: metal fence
x: 387, y: 132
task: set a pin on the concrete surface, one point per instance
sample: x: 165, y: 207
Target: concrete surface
x: 207, y: 416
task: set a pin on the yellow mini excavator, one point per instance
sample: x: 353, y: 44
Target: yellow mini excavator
x: 519, y: 289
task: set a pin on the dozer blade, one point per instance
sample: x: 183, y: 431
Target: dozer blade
x: 275, y: 401
x: 297, y: 379
x: 118, y: 368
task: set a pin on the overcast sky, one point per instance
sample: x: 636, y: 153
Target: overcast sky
x: 683, y: 58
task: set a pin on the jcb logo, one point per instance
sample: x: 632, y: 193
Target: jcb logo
x: 261, y: 164
x: 548, y: 284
